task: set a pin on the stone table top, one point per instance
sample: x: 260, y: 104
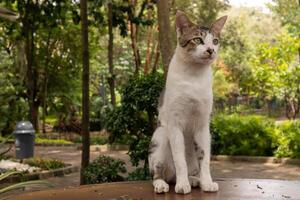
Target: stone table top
x: 230, y: 189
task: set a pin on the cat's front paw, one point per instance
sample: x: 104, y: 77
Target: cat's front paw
x: 160, y: 186
x: 183, y: 187
x: 210, y: 187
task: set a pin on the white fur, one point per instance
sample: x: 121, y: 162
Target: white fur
x: 184, y: 118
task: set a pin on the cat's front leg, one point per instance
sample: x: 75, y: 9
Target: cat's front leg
x: 178, y: 153
x: 203, y: 142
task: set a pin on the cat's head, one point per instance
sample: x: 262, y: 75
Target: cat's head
x: 198, y: 44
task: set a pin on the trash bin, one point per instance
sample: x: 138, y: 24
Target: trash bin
x: 24, y: 143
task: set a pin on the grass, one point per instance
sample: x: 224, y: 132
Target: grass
x: 51, y: 141
x: 39, y: 140
x: 95, y: 140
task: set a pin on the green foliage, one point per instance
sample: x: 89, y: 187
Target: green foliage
x: 94, y: 140
x: 289, y: 139
x: 243, y: 135
x: 139, y: 174
x: 95, y: 124
x: 221, y: 86
x: 273, y: 66
x: 12, y: 104
x: 51, y: 120
x: 289, y: 15
x: 276, y: 71
x: 52, y: 59
x: 235, y: 52
x: 138, y: 148
x: 104, y: 169
x: 39, y: 140
x: 45, y: 164
x: 136, y: 115
x: 203, y: 12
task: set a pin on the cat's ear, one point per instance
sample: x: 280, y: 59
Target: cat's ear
x: 217, y: 26
x: 182, y: 21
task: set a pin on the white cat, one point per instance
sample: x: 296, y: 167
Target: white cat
x: 180, y: 147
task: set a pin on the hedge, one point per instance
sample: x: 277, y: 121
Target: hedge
x: 254, y: 136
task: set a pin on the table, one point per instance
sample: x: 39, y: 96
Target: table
x: 230, y: 189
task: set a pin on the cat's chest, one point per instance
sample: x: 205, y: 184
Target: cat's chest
x: 192, y: 88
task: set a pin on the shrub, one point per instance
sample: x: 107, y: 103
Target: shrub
x: 289, y: 139
x: 104, y: 169
x: 243, y: 135
x: 95, y: 124
x: 95, y: 140
x: 135, y: 119
x: 140, y: 174
x: 45, y: 164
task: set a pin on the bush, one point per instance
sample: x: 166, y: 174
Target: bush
x: 140, y: 174
x: 135, y: 119
x: 289, y: 140
x: 243, y: 135
x: 95, y: 140
x: 45, y: 164
x: 104, y: 169
x: 95, y: 124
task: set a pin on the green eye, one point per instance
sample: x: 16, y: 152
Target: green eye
x: 198, y: 40
x: 215, y: 41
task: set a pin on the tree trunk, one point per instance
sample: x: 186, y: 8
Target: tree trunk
x: 111, y: 79
x: 148, y: 51
x: 45, y: 103
x: 85, y: 91
x: 31, y: 77
x: 165, y: 34
x: 34, y: 113
x: 156, y: 58
x: 46, y: 83
x: 136, y: 52
x: 149, y: 44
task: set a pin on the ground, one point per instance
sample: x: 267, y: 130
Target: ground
x: 220, y: 169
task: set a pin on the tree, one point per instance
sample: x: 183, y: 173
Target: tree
x: 165, y: 35
x: 234, y: 54
x: 85, y: 90
x: 202, y: 12
x: 289, y: 15
x: 276, y: 72
x: 34, y: 16
x: 111, y: 79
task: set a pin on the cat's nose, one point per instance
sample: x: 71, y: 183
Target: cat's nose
x: 210, y: 51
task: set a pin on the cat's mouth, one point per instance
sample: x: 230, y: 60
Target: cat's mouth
x: 207, y: 58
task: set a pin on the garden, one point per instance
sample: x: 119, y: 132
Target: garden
x: 87, y: 75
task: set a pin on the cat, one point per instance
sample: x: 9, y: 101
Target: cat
x: 180, y: 146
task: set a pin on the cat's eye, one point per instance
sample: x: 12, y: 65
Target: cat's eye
x: 215, y: 41
x: 198, y: 40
